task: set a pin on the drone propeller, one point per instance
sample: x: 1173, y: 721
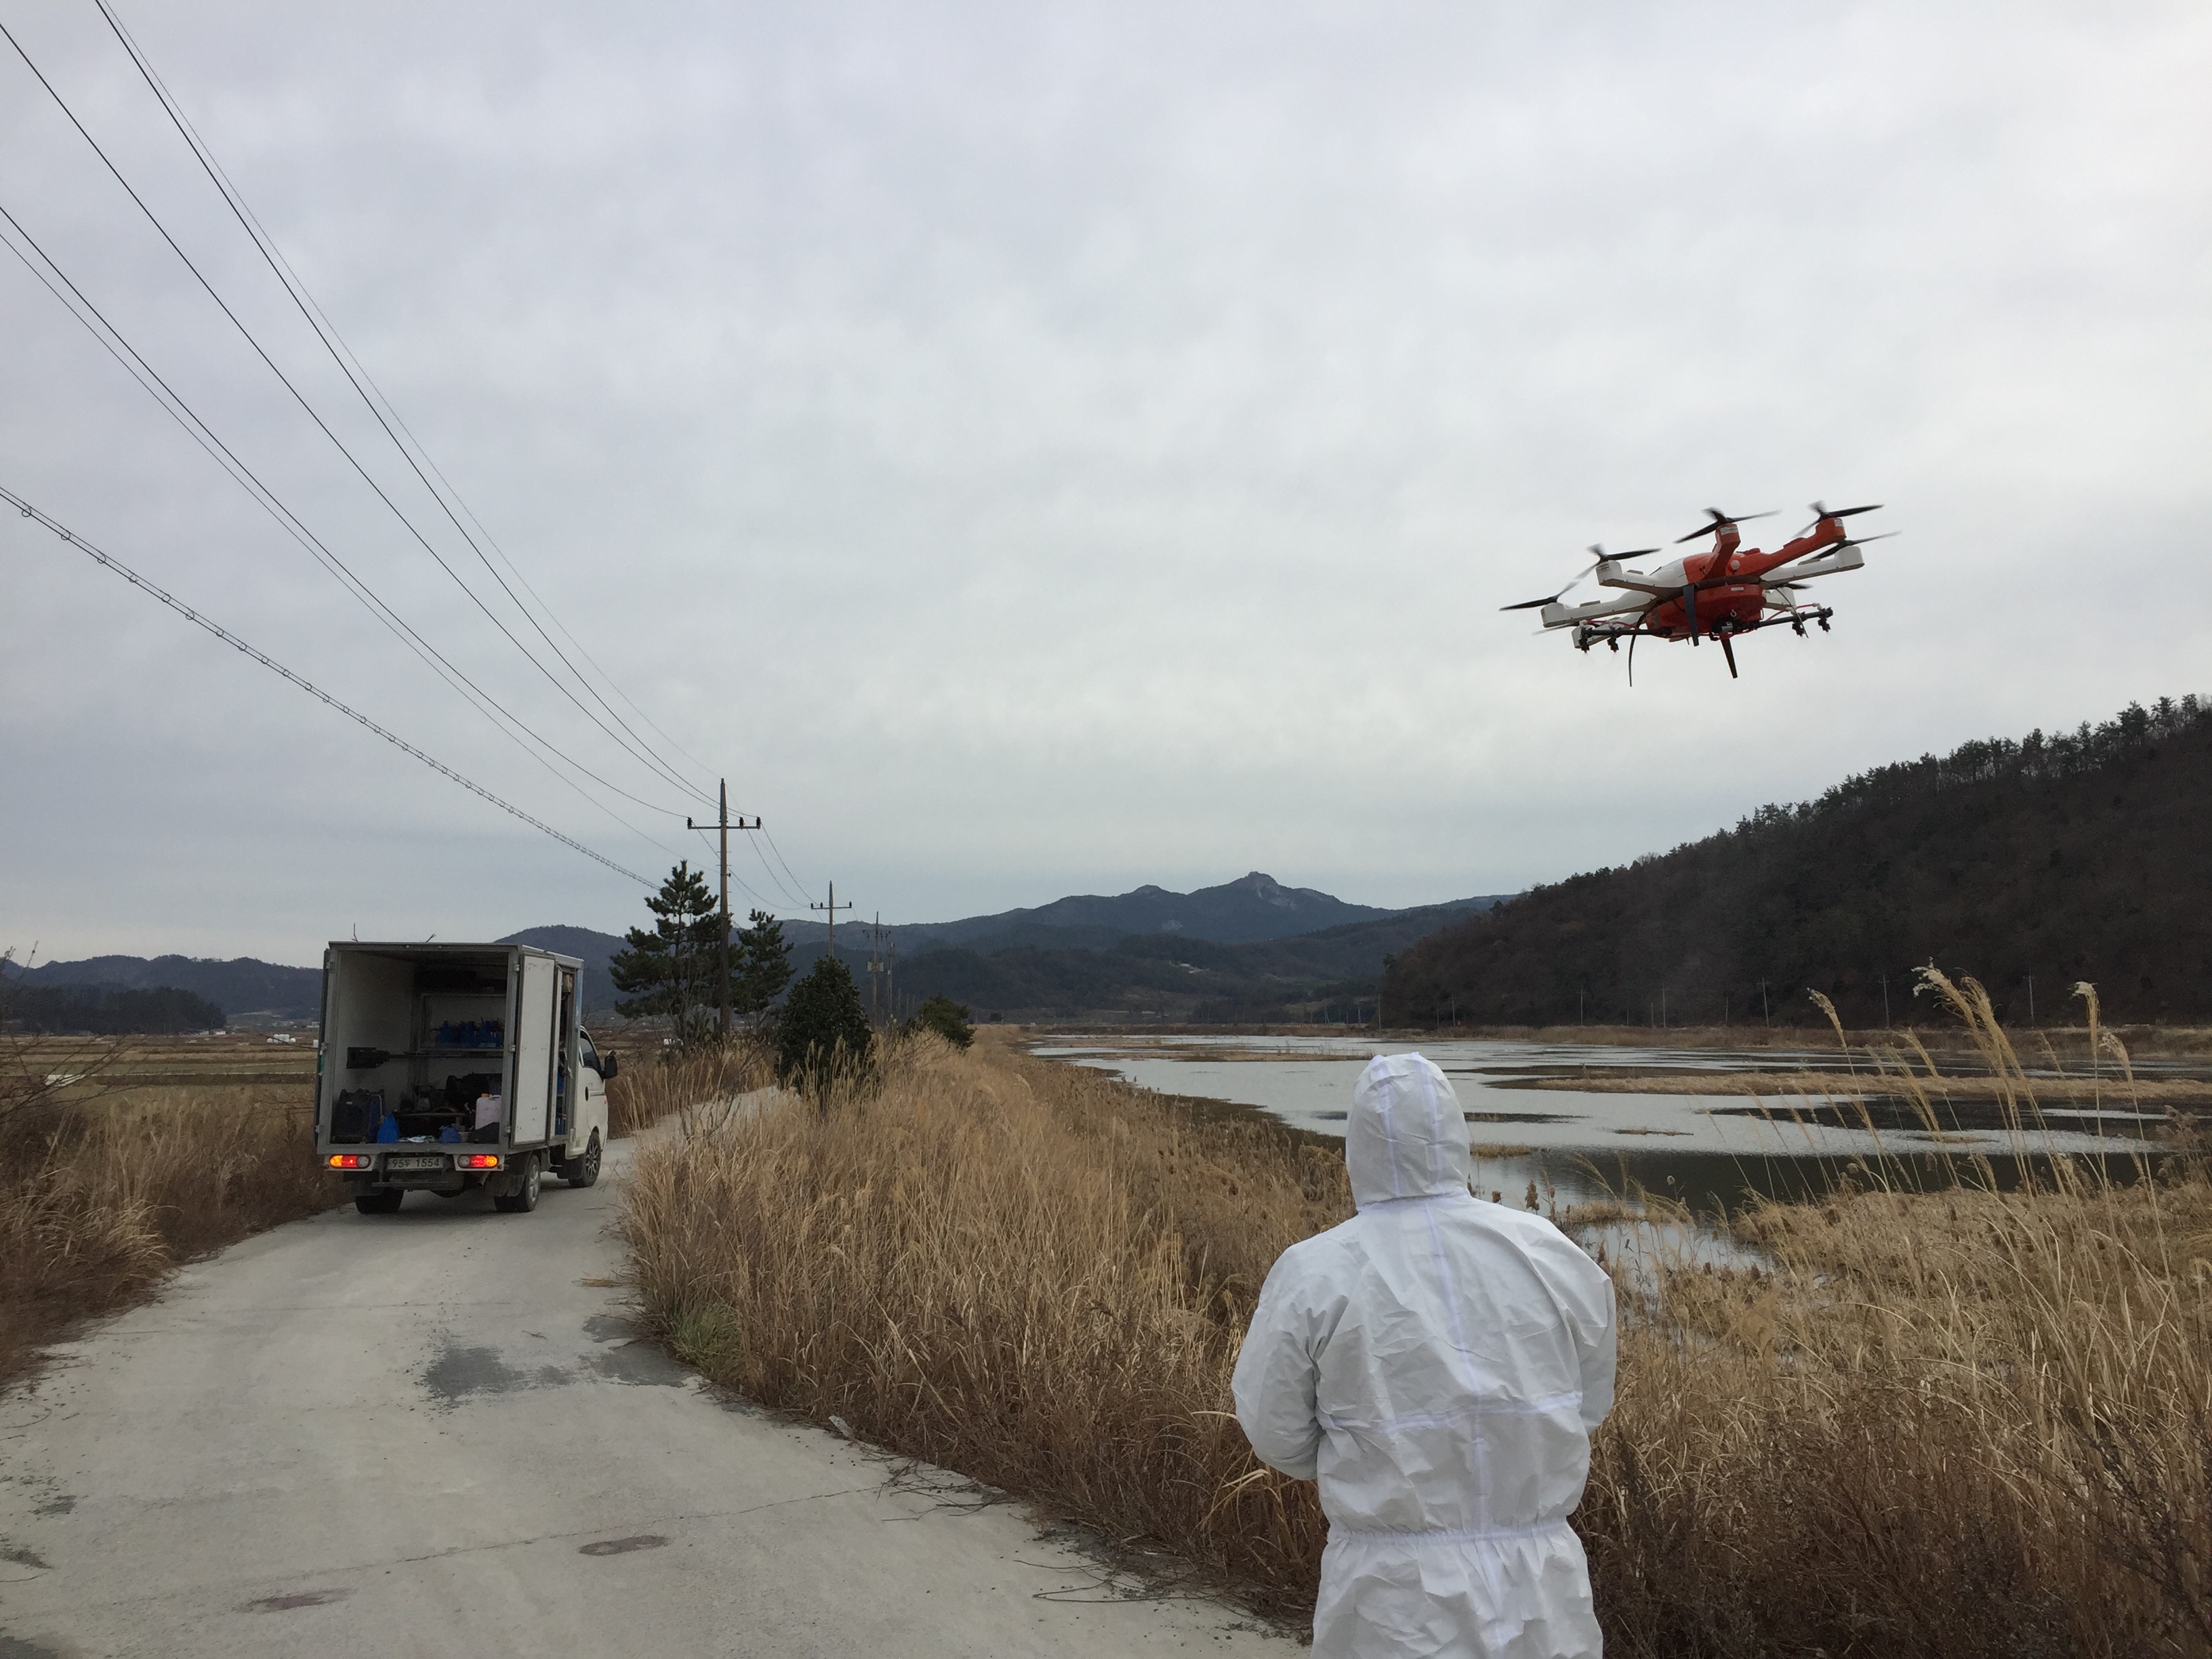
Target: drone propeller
x: 1720, y: 519
x: 1820, y: 512
x: 1553, y: 598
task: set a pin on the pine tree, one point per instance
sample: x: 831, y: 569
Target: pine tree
x: 760, y: 965
x: 948, y: 1018
x: 670, y: 968
x: 824, y: 1032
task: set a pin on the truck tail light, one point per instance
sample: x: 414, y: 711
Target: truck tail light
x: 479, y: 1161
x: 351, y: 1160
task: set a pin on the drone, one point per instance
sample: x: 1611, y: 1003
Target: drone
x: 1720, y: 594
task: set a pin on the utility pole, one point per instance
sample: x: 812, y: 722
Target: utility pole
x: 1764, y: 1013
x: 879, y: 967
x: 1885, y: 1001
x: 833, y: 908
x: 724, y: 824
x: 2031, y: 1002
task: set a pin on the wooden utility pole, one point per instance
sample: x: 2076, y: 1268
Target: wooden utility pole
x: 833, y: 908
x: 724, y: 824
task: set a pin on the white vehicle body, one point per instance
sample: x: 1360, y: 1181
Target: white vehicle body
x: 450, y: 1068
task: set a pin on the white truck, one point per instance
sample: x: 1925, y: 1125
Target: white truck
x: 447, y: 1068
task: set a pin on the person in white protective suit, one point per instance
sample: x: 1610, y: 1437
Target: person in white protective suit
x: 1438, y: 1364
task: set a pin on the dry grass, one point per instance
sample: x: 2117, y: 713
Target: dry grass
x: 654, y: 1088
x: 1024, y: 1272
x: 102, y: 1196
x: 1956, y: 1422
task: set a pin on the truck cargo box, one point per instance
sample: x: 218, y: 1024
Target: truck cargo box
x: 447, y: 1068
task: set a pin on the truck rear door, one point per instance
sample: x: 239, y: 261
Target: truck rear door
x: 535, y: 1037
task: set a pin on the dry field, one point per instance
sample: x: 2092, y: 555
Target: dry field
x: 1955, y: 1422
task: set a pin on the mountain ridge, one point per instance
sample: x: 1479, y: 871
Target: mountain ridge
x: 1254, y: 909
x: 2030, y: 864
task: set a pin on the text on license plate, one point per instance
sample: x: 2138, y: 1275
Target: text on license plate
x: 414, y: 1162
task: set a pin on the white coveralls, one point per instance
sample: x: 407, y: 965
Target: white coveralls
x: 1438, y: 1364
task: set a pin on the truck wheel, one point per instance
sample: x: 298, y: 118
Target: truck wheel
x: 584, y: 1169
x: 524, y: 1199
x: 383, y: 1203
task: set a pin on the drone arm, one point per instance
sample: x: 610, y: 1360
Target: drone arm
x: 1564, y: 615
x: 1827, y: 535
x: 1843, y: 559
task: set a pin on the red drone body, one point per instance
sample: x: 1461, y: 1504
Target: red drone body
x: 1721, y: 593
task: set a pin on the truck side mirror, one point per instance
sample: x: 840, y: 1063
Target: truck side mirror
x: 609, y: 1065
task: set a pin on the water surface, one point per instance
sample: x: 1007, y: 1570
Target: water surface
x: 1707, y: 1149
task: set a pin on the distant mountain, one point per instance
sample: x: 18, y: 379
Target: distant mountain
x: 2029, y: 864
x: 1254, y: 907
x: 1326, y: 975
x: 1121, y: 950
x: 241, y: 986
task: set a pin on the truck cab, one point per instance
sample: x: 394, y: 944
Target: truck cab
x: 453, y: 1068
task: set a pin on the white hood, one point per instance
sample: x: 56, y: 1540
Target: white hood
x: 1406, y: 1136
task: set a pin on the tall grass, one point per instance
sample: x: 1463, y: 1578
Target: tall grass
x: 1961, y: 1421
x: 1024, y: 1272
x: 102, y: 1198
x: 657, y: 1086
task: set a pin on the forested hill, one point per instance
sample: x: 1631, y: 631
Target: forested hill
x: 2081, y: 856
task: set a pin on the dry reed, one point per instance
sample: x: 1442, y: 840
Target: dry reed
x: 644, y: 1093
x: 1960, y: 1421
x: 101, y: 1199
x: 1024, y: 1272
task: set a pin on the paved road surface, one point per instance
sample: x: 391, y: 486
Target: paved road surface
x: 432, y: 1433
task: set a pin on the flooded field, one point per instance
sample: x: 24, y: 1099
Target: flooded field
x: 1531, y: 1124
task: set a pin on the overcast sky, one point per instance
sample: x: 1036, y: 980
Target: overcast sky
x: 1034, y: 449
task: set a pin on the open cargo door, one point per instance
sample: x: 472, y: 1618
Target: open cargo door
x: 534, y: 1041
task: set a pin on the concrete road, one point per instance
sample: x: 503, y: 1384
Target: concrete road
x: 433, y: 1433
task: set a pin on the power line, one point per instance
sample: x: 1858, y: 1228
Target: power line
x: 701, y: 830
x: 109, y: 561
x: 296, y: 291
x: 655, y: 766
x: 778, y: 850
x: 173, y: 403
x: 774, y: 879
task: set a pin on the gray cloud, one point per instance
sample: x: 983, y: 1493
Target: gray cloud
x: 1045, y: 448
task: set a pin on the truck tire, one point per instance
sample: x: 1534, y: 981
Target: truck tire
x: 583, y: 1168
x: 383, y: 1203
x: 524, y: 1199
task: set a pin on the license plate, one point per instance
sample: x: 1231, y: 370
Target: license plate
x: 415, y: 1163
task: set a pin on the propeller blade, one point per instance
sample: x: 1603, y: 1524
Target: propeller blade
x: 1690, y: 604
x: 1553, y: 598
x: 1819, y: 512
x: 1728, y: 649
x: 1720, y: 519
